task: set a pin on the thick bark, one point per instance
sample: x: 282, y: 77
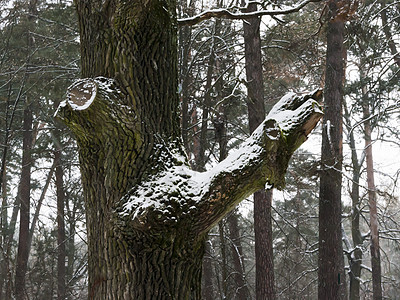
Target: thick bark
x: 331, y: 276
x: 147, y: 213
x: 265, y: 282
x: 24, y: 194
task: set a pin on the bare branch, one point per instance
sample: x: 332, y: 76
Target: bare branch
x: 225, y: 13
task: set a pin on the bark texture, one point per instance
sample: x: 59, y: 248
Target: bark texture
x: 331, y: 276
x: 147, y: 213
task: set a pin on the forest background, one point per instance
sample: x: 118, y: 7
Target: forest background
x: 39, y: 59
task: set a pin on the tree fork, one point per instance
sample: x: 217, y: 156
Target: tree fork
x: 147, y: 212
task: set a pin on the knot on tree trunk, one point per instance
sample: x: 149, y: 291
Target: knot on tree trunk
x: 82, y: 93
x: 96, y: 108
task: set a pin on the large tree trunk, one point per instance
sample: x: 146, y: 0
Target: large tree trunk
x: 331, y: 276
x: 265, y: 282
x: 24, y: 194
x: 147, y: 213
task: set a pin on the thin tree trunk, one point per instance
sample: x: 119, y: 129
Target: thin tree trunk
x: 205, y: 113
x: 375, y: 252
x: 25, y: 182
x: 388, y: 35
x: 199, y: 150
x: 223, y: 261
x: 24, y: 187
x: 242, y: 292
x: 70, y: 243
x: 4, y: 203
x: 265, y: 285
x: 331, y: 276
x: 39, y: 205
x: 208, y: 288
x: 220, y: 136
x: 355, y: 257
x: 9, y: 244
x: 373, y: 213
x: 185, y: 34
x: 8, y: 234
x: 12, y: 224
x: 61, y: 253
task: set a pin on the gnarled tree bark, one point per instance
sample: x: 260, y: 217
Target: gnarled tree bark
x: 147, y: 212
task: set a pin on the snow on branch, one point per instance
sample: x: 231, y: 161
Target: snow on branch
x: 178, y: 193
x: 227, y: 13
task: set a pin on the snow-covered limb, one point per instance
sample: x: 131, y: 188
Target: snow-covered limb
x: 169, y: 192
x: 263, y: 158
x: 226, y: 13
x: 177, y: 193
